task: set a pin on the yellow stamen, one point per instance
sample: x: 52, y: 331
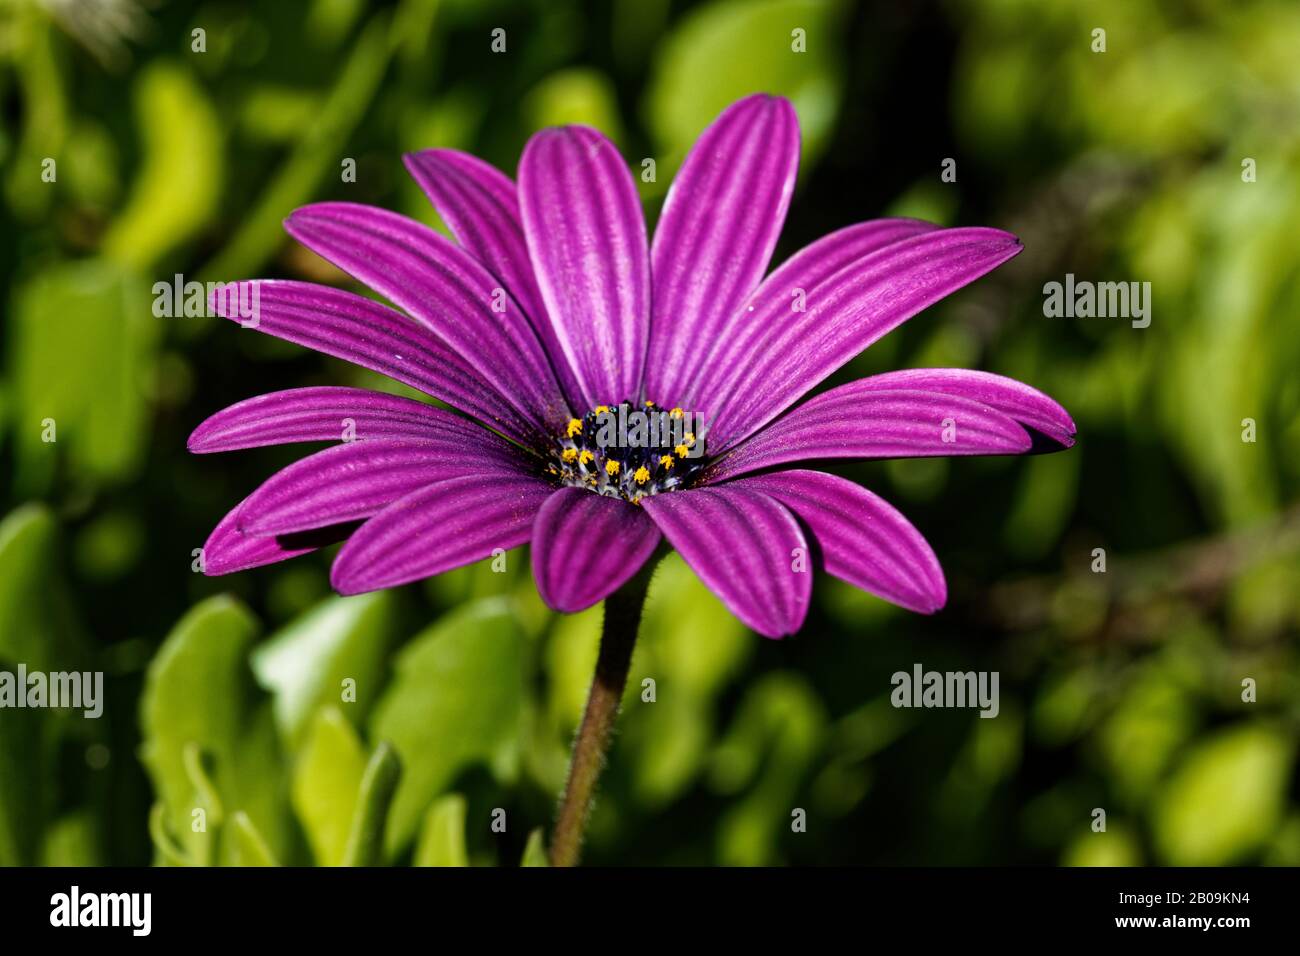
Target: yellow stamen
x: 585, y: 457
x: 649, y: 404
x: 681, y: 451
x: 575, y: 427
x: 676, y: 413
x: 611, y: 467
x: 569, y: 454
x: 641, y: 475
x: 666, y: 460
x: 689, y: 438
x: 601, y: 409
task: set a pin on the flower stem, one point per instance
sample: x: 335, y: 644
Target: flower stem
x: 618, y: 638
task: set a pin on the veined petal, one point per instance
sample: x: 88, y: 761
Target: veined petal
x: 586, y: 237
x: 847, y: 312
x: 586, y: 546
x: 775, y: 300
x: 228, y: 549
x: 373, y: 336
x: 356, y: 480
x: 326, y: 413
x: 443, y: 287
x: 1025, y: 404
x: 480, y: 206
x: 860, y: 537
x: 742, y: 545
x: 438, y: 528
x: 716, y: 234
x: 854, y: 422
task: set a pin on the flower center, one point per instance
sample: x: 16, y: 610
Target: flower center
x: 628, y: 452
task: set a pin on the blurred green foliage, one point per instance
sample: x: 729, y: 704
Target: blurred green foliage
x: 257, y: 719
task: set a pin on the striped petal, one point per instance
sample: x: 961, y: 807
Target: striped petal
x: 435, y: 529
x: 847, y: 312
x: 773, y: 301
x: 480, y: 206
x: 859, y: 537
x: 443, y: 287
x: 1027, y: 405
x: 228, y: 549
x: 586, y: 546
x: 328, y: 413
x: 743, y: 544
x: 716, y: 234
x: 356, y: 480
x: 586, y: 236
x: 373, y: 336
x: 853, y: 422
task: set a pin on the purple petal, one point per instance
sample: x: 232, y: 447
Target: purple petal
x: 770, y: 303
x: 586, y: 236
x: 443, y: 287
x: 438, y: 528
x: 480, y: 206
x: 586, y: 546
x: 1026, y: 405
x: 847, y: 312
x: 354, y: 481
x: 228, y: 549
x: 716, y: 234
x: 861, y: 538
x: 743, y: 545
x: 324, y: 413
x: 855, y: 422
x: 373, y: 336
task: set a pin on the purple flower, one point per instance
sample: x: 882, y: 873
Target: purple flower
x: 552, y: 308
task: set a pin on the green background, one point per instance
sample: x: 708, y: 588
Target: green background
x: 1119, y: 690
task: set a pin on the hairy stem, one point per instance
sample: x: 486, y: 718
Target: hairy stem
x: 618, y: 638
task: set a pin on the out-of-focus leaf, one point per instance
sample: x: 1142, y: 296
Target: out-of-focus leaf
x: 454, y: 702
x: 200, y: 693
x: 365, y: 846
x: 1226, y: 798
x: 326, y: 784
x: 72, y: 840
x: 248, y: 849
x: 575, y: 96
x: 1117, y: 846
x: 306, y: 663
x: 535, y: 850
x: 728, y: 49
x: 179, y: 183
x: 36, y: 625
x: 81, y: 341
x: 442, y: 837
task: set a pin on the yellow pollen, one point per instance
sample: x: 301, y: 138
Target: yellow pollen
x: 575, y: 427
x: 676, y: 413
x: 585, y: 457
x: 649, y: 404
x: 666, y: 460
x: 681, y: 451
x: 601, y: 409
x: 569, y: 454
x: 689, y: 438
x: 611, y: 467
x: 641, y: 475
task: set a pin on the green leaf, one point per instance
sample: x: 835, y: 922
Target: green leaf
x: 326, y: 784
x: 365, y: 846
x: 249, y: 849
x: 36, y: 625
x: 305, y: 664
x: 454, y: 702
x: 199, y: 692
x: 82, y: 341
x: 729, y: 49
x: 1226, y: 799
x: 535, y: 850
x: 442, y: 838
x: 180, y: 180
